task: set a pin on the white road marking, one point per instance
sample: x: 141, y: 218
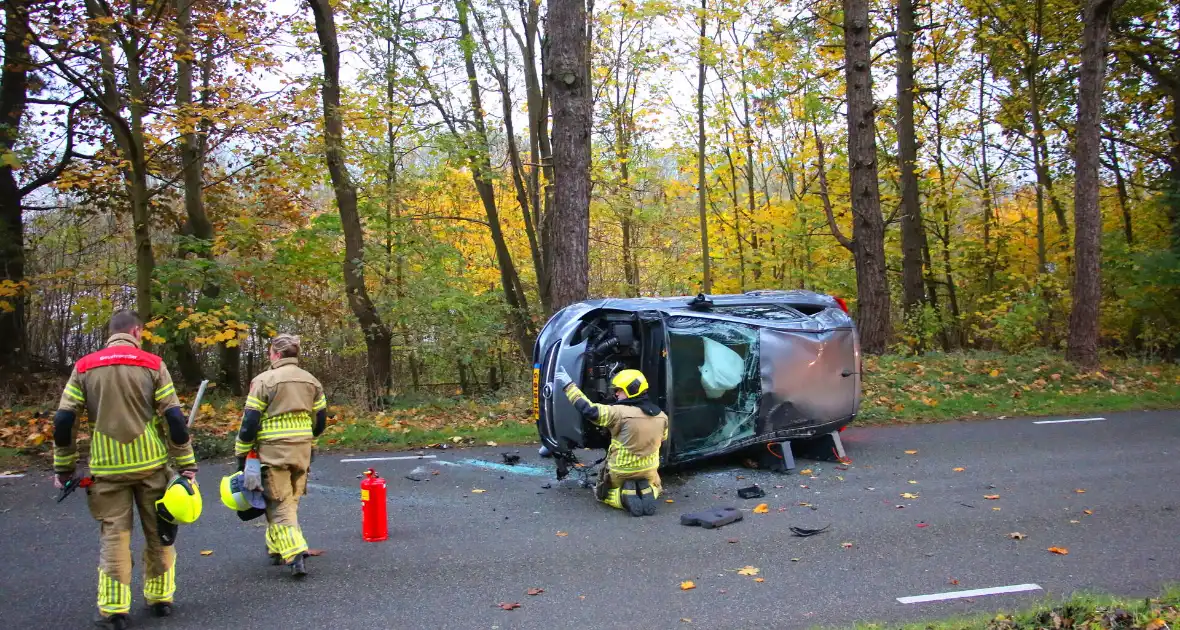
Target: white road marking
x: 979, y: 592
x: 11, y: 476
x: 385, y: 459
x: 1070, y: 420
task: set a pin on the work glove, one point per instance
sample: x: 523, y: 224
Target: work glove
x: 189, y: 473
x: 562, y: 378
x: 61, y: 479
x: 252, y: 475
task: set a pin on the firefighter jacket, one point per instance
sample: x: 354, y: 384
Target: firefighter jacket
x: 635, y: 437
x: 287, y: 397
x: 135, y: 418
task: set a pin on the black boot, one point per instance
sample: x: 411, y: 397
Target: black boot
x: 276, y: 559
x: 298, y: 571
x: 647, y: 497
x: 114, y: 622
x: 162, y: 609
x: 629, y: 497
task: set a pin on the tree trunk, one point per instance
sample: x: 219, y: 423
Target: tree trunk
x: 378, y: 378
x: 702, y: 192
x: 13, y: 99
x: 568, y: 74
x: 868, y: 226
x: 1087, y: 290
x: 913, y: 292
x: 1124, y: 201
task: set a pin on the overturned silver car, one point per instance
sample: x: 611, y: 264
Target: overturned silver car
x: 731, y: 371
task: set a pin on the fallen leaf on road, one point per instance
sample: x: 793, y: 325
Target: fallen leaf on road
x: 562, y: 534
x: 1074, y: 522
x: 687, y: 585
x: 508, y: 606
x: 911, y: 452
x: 668, y: 501
x: 434, y: 472
x: 959, y: 469
x: 1087, y: 512
x: 478, y: 491
x: 582, y: 597
x: 1080, y: 491
x: 207, y: 552
x: 534, y: 591
x: 1017, y: 536
x: 806, y: 471
x: 759, y: 579
x: 315, y: 552
x: 953, y: 582
x: 761, y: 508
x: 911, y: 481
x: 995, y: 509
x: 846, y: 545
x: 794, y: 559
x: 804, y: 504
x: 685, y: 620
x: 1061, y: 551
x: 991, y: 497
x: 908, y: 495
x: 922, y: 525
x: 732, y: 540
x: 748, y: 570
x: 900, y: 507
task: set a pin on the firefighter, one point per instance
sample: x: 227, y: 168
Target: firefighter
x: 630, y: 479
x: 278, y: 427
x: 136, y: 427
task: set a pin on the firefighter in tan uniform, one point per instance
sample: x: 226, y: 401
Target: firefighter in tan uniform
x: 136, y: 427
x: 278, y: 426
x: 630, y: 479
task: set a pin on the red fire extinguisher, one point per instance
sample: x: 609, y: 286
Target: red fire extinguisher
x: 374, y: 526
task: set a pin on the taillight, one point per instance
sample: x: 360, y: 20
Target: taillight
x: 842, y: 303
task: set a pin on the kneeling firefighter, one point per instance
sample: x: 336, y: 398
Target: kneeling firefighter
x: 630, y: 478
x: 274, y: 447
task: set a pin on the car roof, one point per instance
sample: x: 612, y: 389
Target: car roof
x: 681, y: 303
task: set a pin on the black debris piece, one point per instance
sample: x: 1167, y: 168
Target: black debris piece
x: 511, y: 460
x: 751, y: 492
x: 712, y: 517
x: 804, y: 532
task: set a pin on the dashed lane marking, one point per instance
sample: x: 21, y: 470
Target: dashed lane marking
x: 979, y: 592
x: 385, y: 459
x: 1070, y: 420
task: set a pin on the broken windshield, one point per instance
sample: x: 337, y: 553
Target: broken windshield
x: 716, y: 383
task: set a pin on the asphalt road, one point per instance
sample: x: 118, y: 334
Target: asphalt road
x: 453, y: 554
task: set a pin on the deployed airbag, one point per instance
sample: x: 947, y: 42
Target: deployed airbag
x: 722, y: 370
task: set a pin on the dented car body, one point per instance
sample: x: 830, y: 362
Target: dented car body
x: 731, y: 371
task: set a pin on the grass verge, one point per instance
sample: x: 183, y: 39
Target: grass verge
x: 1082, y: 611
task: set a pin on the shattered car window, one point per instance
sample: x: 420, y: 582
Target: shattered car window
x: 767, y: 311
x: 716, y: 383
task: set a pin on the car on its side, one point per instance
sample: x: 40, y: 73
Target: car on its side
x: 731, y: 371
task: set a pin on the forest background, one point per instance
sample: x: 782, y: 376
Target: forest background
x: 922, y: 160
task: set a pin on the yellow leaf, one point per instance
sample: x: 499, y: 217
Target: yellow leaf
x: 491, y: 443
x: 477, y: 491
x: 668, y: 501
x: 687, y: 585
x: 995, y: 509
x: 562, y: 534
x: 1061, y: 551
x: 761, y: 508
x: 1080, y: 491
x: 908, y: 495
x: 911, y: 452
x: 748, y: 570
x: 1087, y: 512
x: 994, y: 373
x: 805, y: 471
x: 959, y: 469
x: 206, y: 552
x: 759, y: 580
x: 1155, y: 624
x: 911, y: 481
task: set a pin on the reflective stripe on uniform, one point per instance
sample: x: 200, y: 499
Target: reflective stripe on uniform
x: 111, y: 457
x: 285, y: 540
x: 241, y: 448
x: 287, y: 425
x: 162, y: 587
x: 186, y: 459
x: 624, y: 461
x: 114, y: 598
x: 73, y: 391
x: 164, y: 391
x: 321, y: 403
x: 65, y: 461
x: 256, y: 404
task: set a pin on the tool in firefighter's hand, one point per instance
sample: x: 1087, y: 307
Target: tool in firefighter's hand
x: 192, y: 414
x: 72, y: 485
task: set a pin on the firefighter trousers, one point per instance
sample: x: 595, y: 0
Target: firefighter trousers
x: 609, y: 482
x: 283, y: 486
x: 113, y: 504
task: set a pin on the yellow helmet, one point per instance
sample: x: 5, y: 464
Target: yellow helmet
x: 632, y: 382
x: 181, y: 504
